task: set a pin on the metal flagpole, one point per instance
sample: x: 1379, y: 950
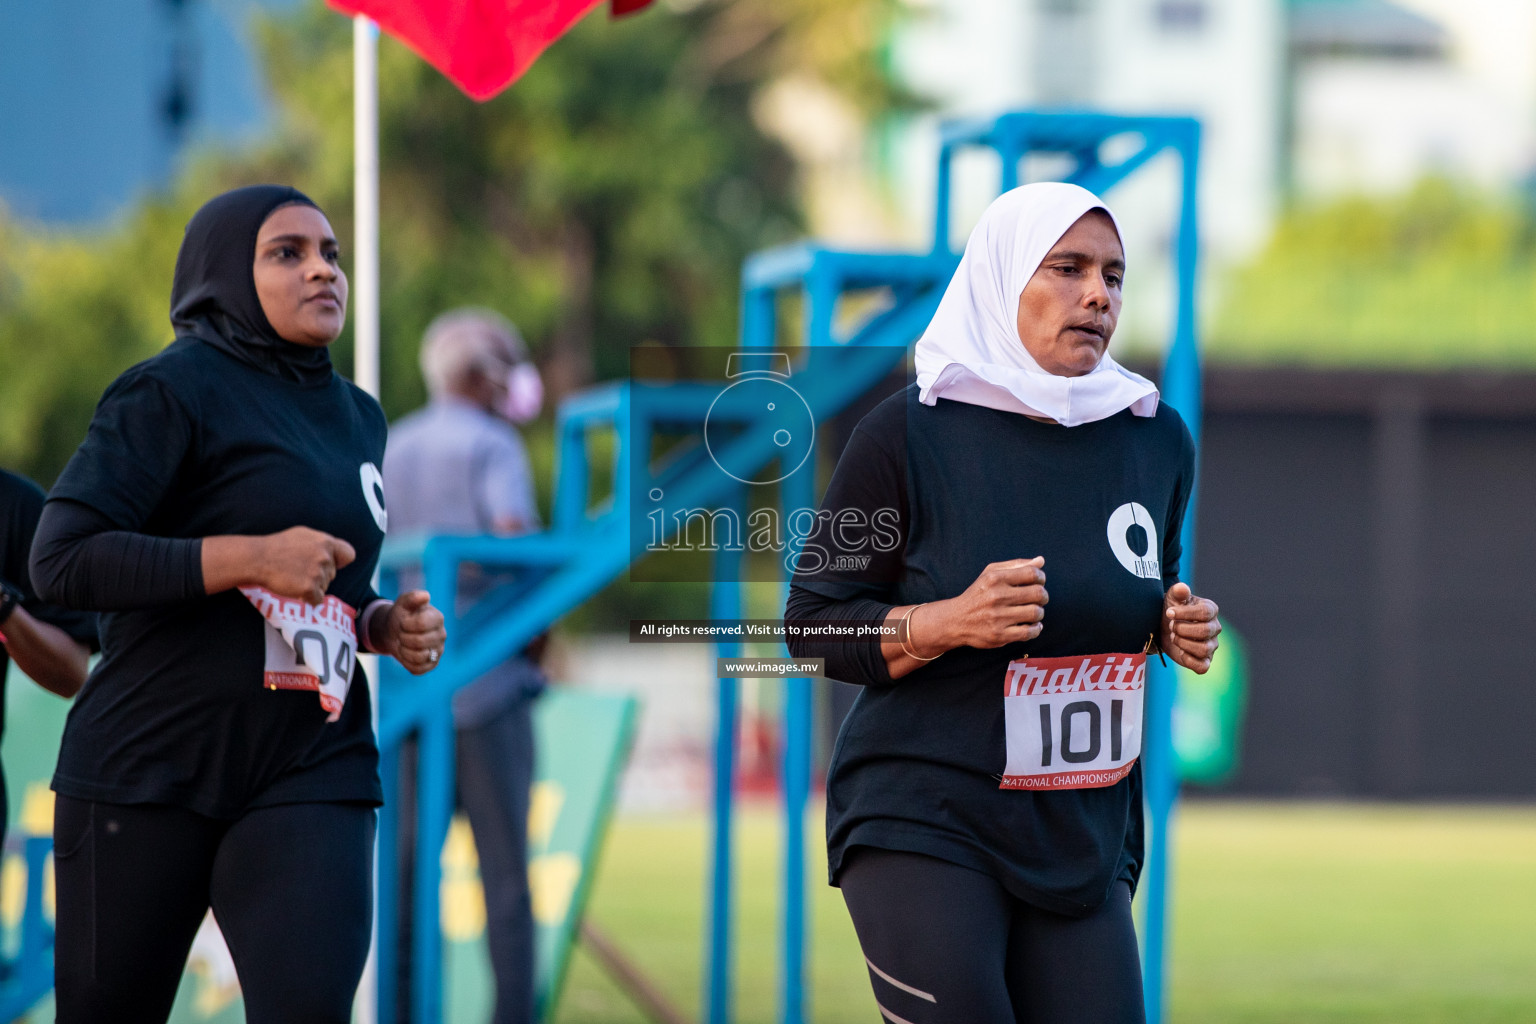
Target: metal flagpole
x: 365, y: 351
x: 365, y: 160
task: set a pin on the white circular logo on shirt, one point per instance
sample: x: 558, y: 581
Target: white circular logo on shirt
x: 373, y: 493
x: 1146, y: 563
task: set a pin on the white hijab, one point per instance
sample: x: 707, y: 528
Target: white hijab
x: 971, y: 351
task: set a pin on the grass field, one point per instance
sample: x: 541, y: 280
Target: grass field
x: 1283, y: 913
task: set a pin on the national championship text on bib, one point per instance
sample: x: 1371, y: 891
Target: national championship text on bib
x: 1072, y: 723
x: 309, y: 647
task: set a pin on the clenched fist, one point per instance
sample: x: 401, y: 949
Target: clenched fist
x: 1189, y: 628
x: 412, y: 632
x: 1005, y: 604
x: 300, y: 562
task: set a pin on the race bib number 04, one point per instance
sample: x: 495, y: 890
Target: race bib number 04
x: 1072, y: 723
x: 309, y: 647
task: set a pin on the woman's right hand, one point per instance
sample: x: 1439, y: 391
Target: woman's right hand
x: 1005, y: 604
x: 298, y: 563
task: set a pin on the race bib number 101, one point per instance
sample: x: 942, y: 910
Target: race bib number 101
x: 309, y: 647
x: 1072, y: 723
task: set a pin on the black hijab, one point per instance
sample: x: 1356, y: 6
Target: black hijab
x: 213, y: 297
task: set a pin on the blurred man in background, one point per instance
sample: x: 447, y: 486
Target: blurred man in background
x: 458, y: 466
x: 51, y: 645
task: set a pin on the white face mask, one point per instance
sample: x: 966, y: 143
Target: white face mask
x: 525, y: 393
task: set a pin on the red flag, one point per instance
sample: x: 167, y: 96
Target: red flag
x: 481, y: 45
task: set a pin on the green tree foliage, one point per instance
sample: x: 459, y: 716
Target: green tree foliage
x: 75, y: 312
x: 1440, y: 277
x: 606, y: 200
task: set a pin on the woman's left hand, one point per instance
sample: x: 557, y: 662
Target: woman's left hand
x: 413, y: 632
x: 1189, y: 628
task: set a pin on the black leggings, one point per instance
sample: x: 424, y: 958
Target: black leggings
x: 948, y: 945
x: 291, y: 887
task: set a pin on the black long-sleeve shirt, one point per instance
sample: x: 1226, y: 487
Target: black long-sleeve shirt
x: 190, y: 444
x: 858, y: 660
x: 942, y: 491
x: 81, y: 560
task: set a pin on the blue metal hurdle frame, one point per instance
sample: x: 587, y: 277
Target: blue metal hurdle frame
x: 589, y: 544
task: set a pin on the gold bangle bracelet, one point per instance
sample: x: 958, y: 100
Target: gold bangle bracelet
x: 906, y: 635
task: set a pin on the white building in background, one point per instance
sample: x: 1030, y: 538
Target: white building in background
x: 1308, y: 98
x: 1386, y: 94
x: 1221, y: 61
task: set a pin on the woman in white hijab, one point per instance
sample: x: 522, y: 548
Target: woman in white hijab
x: 984, y: 798
x: 1047, y: 359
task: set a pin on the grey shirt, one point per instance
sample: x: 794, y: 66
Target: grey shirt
x: 452, y: 467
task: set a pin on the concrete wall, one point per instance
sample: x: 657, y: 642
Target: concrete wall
x: 1371, y: 536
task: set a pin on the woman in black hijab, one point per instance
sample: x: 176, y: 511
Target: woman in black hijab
x: 225, y: 513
